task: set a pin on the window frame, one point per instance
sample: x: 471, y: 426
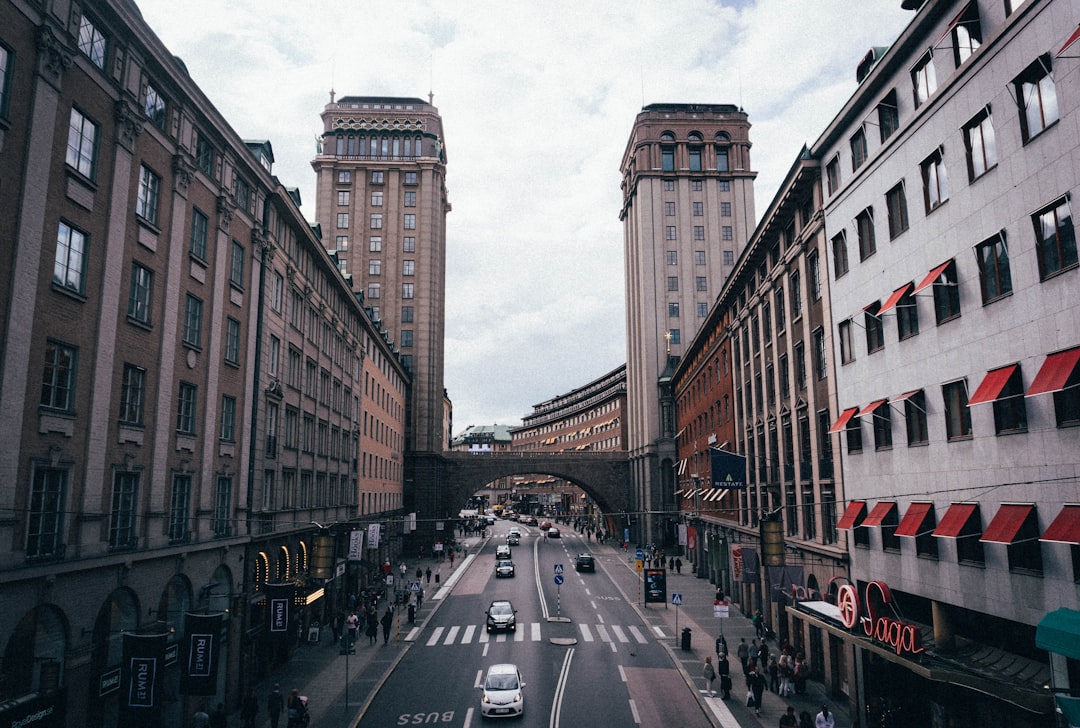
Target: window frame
x: 140, y: 294
x: 122, y: 510
x: 841, y: 263
x: 149, y: 195
x: 995, y: 273
x: 957, y: 412
x: 981, y: 157
x: 864, y: 226
x: 132, y: 394
x: 82, y: 144
x: 187, y: 402
x: 59, y: 376
x: 947, y: 295
x: 1064, y: 239
x: 232, y: 341
x: 193, y: 315
x: 1039, y: 76
x: 155, y: 107
x: 69, y: 265
x: 915, y: 421
x: 935, y: 180
x: 896, y: 204
x: 45, y: 511
x: 859, y: 150
x: 95, y: 45
x: 923, y: 78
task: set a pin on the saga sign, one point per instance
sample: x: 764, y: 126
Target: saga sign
x: 903, y: 637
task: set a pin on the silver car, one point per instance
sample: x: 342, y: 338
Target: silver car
x: 501, y: 693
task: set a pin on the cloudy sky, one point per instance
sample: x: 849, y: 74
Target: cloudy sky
x: 537, y: 101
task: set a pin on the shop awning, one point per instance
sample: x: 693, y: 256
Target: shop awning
x: 879, y: 513
x: 1055, y: 372
x: 852, y: 514
x: 869, y: 409
x: 992, y: 384
x: 1006, y: 523
x: 1059, y: 631
x: 912, y: 524
x: 894, y: 298
x: 932, y: 276
x: 955, y: 22
x: 1066, y: 527
x: 955, y: 519
x: 843, y: 419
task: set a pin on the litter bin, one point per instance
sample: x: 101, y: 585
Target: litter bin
x: 685, y: 638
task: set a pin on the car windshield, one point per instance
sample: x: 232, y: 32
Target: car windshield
x: 499, y: 610
x: 501, y: 682
x: 506, y: 563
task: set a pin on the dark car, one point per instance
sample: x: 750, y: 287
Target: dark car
x: 585, y: 562
x: 500, y: 615
x: 504, y: 567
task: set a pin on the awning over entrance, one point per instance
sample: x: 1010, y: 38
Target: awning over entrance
x: 1066, y: 527
x: 852, y: 514
x: 1006, y: 523
x: 955, y: 519
x: 1055, y: 372
x: 992, y: 384
x: 913, y: 520
x: 1059, y: 631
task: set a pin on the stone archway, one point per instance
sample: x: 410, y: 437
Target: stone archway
x: 118, y: 614
x: 34, y: 655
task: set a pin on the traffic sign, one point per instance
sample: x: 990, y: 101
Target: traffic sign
x: 414, y: 587
x: 676, y: 599
x: 639, y: 555
x: 559, y: 579
x: 558, y: 568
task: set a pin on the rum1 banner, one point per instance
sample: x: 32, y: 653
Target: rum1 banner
x: 279, y: 599
x: 201, y: 646
x: 142, y: 670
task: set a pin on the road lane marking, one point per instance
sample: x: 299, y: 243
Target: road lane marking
x: 535, y: 632
x: 467, y: 637
x: 451, y: 635
x: 642, y: 639
x: 586, y: 633
x: 435, y: 636
x: 633, y: 711
x: 619, y: 633
x: 602, y: 631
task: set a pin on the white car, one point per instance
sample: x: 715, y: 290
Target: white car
x: 502, y: 692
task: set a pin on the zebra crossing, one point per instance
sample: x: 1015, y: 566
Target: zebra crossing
x: 528, y: 632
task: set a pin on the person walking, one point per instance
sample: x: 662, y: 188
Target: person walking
x: 788, y: 720
x: 678, y: 566
x: 721, y: 646
x: 709, y: 673
x: 757, y: 689
x: 275, y: 703
x: 773, y: 671
x: 387, y: 620
x: 723, y: 669
x: 249, y: 709
x: 743, y: 652
x: 298, y: 712
x: 825, y: 719
x: 372, y: 630
x: 758, y: 622
x: 352, y: 624
x: 428, y: 574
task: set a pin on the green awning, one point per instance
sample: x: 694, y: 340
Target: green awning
x: 1059, y: 631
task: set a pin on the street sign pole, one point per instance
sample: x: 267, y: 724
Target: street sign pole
x: 558, y: 590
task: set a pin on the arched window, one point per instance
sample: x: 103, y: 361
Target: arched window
x: 667, y: 136
x: 694, y: 136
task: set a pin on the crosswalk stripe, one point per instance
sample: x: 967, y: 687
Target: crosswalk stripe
x: 451, y: 635
x: 535, y: 632
x: 519, y: 635
x: 619, y: 633
x: 602, y: 631
x: 467, y: 637
x: 586, y: 633
x: 532, y: 632
x: 435, y: 636
x: 642, y: 639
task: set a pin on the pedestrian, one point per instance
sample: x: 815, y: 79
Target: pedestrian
x: 709, y: 673
x: 801, y: 673
x: 805, y: 721
x: 419, y: 573
x: 763, y: 655
x: 786, y: 666
x: 757, y: 689
x: 217, y: 718
x: 337, y: 624
x: 352, y: 623
x: 757, y: 621
x: 773, y: 671
x: 825, y: 719
x: 275, y: 703
x: 387, y: 620
x: 419, y: 599
x: 249, y: 709
x: 721, y: 645
x: 428, y: 574
x: 788, y: 720
x: 298, y: 712
x: 743, y: 652
x: 437, y: 575
x: 678, y: 566
x: 723, y: 669
x: 201, y: 719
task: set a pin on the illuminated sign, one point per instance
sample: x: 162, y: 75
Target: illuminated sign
x: 904, y: 637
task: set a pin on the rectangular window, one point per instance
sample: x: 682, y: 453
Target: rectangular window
x: 847, y: 347
x: 45, y: 517
x: 695, y: 185
x: 223, y: 507
x: 669, y: 233
x: 832, y: 174
x: 821, y: 369
x: 343, y: 197
x: 935, y: 181
x: 232, y: 340
x: 200, y: 227
x: 722, y: 163
x: 888, y: 116
x: 122, y: 514
x: 132, y: 390
x: 407, y: 290
x: 898, y: 215
x: 205, y: 156
x: 882, y: 422
x: 406, y: 337
x: 875, y: 333
x: 374, y: 267
x: 70, y: 264
x: 957, y: 412
x: 702, y: 310
x: 667, y: 159
x: 796, y: 294
x: 377, y: 178
x: 695, y: 159
x: 781, y: 309
x: 342, y: 220
x: 58, y: 377
x: 374, y: 290
x: 726, y: 233
x: 410, y: 178
x: 729, y: 257
x: 376, y: 221
x: 185, y: 411
x: 277, y: 292
x: 813, y: 270
x: 673, y: 283
x: 669, y: 185
x: 675, y: 336
x: 344, y: 177
x: 243, y: 195
x: 799, y: 358
x: 228, y: 418
x: 375, y: 245
x: 853, y: 430
x: 406, y: 314
x: 669, y: 209
x: 146, y: 206
x: 699, y: 257
x: 273, y: 355
x: 82, y: 144
x: 155, y: 107
x: 410, y: 199
x: 673, y: 310
x: 410, y: 221
x: 858, y: 149
x: 966, y: 34
x: 923, y: 79
x: 193, y: 321
x: 907, y: 315
x: 947, y: 294
x: 864, y: 224
x: 980, y: 144
x: 672, y: 257
x: 701, y: 283
x: 1055, y: 238
x: 915, y: 416
x: 341, y: 242
x: 1037, y: 98
x: 840, y: 256
x: 408, y: 267
x: 408, y: 244
x: 6, y: 63
x: 178, y: 508
x: 236, y: 265
x: 699, y: 232
x: 92, y: 43
x: 995, y: 278
x: 1010, y: 407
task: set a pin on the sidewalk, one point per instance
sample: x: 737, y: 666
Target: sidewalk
x: 696, y: 613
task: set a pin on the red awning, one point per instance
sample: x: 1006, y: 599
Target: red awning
x: 1072, y: 39
x: 955, y: 22
x: 1066, y: 527
x: 906, y: 395
x: 1055, y: 372
x: 843, y: 419
x: 1006, y: 524
x: 912, y: 522
x: 932, y: 276
x: 992, y: 384
x: 852, y: 514
x: 894, y: 298
x: 868, y: 409
x: 880, y: 513
x: 955, y: 519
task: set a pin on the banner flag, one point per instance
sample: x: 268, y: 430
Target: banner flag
x: 203, y: 640
x: 142, y: 669
x: 279, y: 598
x: 728, y: 469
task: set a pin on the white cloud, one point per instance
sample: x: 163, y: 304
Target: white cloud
x: 537, y: 101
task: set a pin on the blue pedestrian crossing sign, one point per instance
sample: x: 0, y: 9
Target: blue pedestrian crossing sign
x: 639, y: 555
x: 559, y: 579
x: 414, y: 587
x: 676, y: 599
x: 558, y: 568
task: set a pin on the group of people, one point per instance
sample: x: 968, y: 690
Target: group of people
x: 295, y: 708
x: 347, y: 626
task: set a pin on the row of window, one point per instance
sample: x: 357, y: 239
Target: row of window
x: 378, y: 177
x: 695, y: 151
x: 697, y: 185
x: 408, y: 198
x: 302, y: 432
x: 309, y: 490
x: 408, y: 267
x: 375, y: 221
x: 378, y: 147
x: 697, y: 208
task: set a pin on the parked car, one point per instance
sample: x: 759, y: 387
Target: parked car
x: 501, y: 694
x: 554, y: 533
x: 504, y: 567
x: 502, y: 552
x: 585, y: 562
x: 500, y: 615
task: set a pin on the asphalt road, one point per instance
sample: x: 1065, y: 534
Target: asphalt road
x: 584, y: 653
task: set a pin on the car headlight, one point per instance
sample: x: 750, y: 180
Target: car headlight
x: 517, y: 698
x: 486, y: 699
